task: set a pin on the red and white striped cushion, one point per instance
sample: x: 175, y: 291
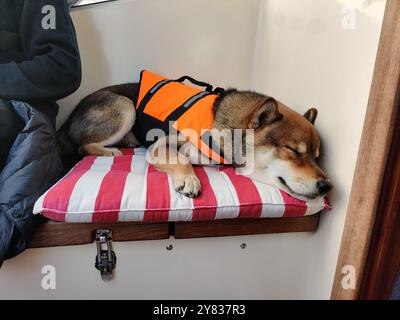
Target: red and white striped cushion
x: 126, y: 188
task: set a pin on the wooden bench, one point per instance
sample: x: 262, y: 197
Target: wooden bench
x: 53, y: 234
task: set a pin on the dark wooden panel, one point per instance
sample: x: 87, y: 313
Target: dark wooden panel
x: 54, y: 234
x: 383, y: 260
x: 238, y: 227
x: 379, y: 126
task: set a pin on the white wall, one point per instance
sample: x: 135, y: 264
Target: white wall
x: 302, y: 57
x: 209, y: 40
x: 305, y: 57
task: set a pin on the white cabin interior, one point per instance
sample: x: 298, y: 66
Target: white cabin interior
x: 305, y: 53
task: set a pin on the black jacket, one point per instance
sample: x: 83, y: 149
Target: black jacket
x: 33, y: 166
x: 38, y: 66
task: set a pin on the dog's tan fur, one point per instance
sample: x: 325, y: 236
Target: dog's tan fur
x: 286, y: 144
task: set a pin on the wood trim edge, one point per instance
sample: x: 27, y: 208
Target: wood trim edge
x: 241, y: 227
x: 372, y: 156
x: 383, y: 260
x: 55, y: 234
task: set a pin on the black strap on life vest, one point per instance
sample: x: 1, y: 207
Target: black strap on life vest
x: 178, y: 112
x: 208, y: 86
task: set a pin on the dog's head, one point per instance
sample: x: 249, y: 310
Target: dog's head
x: 286, y: 144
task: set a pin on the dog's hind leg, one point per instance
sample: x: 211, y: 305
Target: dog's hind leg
x: 104, y: 125
x: 102, y: 148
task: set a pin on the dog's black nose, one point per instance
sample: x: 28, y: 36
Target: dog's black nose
x: 324, y: 186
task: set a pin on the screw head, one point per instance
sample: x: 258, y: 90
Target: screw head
x: 169, y: 247
x: 243, y: 246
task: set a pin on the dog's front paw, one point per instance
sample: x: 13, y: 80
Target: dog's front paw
x: 188, y: 185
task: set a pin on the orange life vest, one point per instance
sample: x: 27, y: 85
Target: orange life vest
x: 164, y: 103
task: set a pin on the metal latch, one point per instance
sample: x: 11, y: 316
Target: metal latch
x: 105, y: 259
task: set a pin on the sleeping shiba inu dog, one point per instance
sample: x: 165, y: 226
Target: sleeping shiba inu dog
x: 283, y: 144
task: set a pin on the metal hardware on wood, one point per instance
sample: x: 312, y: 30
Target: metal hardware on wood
x: 243, y: 246
x: 170, y: 247
x: 105, y: 259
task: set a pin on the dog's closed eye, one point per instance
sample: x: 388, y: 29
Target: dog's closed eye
x: 295, y: 151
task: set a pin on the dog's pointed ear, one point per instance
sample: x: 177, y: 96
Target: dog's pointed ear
x: 311, y: 115
x: 265, y: 114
